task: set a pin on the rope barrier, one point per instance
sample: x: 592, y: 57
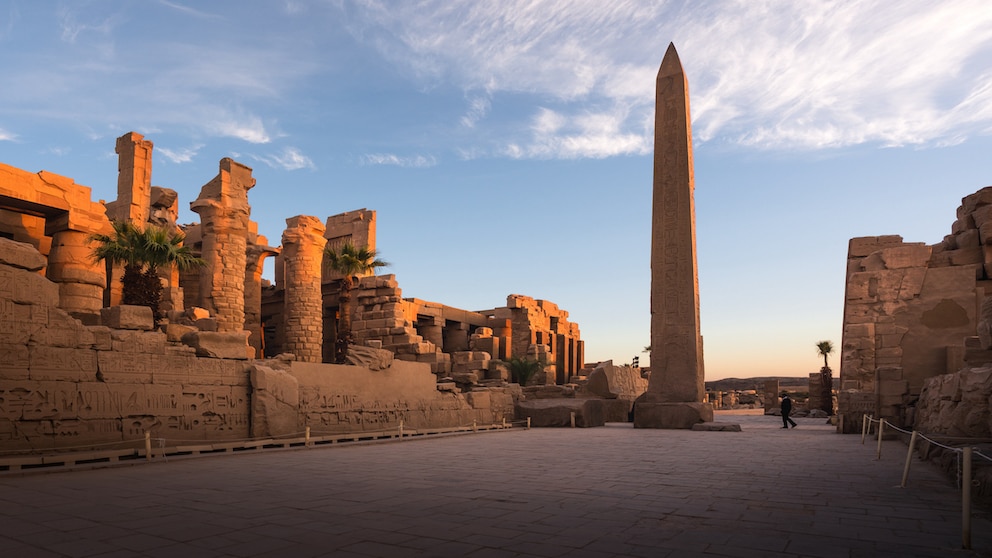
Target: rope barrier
x: 963, y: 460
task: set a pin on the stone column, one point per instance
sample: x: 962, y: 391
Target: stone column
x: 676, y: 391
x: 81, y: 281
x: 224, y: 212
x: 134, y: 180
x: 302, y: 253
x: 431, y: 328
x: 254, y: 266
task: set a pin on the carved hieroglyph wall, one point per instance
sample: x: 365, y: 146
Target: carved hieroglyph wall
x: 68, y: 385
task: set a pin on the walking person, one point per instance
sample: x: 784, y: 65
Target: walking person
x: 786, y: 409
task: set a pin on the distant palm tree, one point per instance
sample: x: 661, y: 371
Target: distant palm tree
x: 523, y: 369
x: 142, y: 252
x: 350, y: 262
x: 824, y: 348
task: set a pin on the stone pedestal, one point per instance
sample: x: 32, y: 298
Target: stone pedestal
x: 655, y: 414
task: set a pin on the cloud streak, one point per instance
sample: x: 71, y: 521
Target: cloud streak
x: 389, y: 159
x: 763, y: 74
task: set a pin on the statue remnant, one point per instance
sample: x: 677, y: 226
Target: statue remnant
x: 676, y: 388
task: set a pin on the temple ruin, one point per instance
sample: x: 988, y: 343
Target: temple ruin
x: 236, y: 356
x: 918, y: 315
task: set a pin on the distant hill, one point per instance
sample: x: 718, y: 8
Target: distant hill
x: 731, y: 384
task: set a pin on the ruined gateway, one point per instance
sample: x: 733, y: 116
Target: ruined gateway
x: 236, y: 357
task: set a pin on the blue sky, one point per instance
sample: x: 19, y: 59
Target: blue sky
x: 506, y: 145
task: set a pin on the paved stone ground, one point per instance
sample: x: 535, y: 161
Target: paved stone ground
x: 599, y: 492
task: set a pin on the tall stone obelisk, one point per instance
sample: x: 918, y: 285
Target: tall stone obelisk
x: 676, y: 388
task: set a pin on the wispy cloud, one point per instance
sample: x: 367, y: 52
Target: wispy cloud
x: 7, y: 136
x: 477, y: 109
x: 70, y: 27
x: 182, y: 155
x: 290, y: 158
x: 417, y: 161
x: 188, y: 10
x: 763, y: 74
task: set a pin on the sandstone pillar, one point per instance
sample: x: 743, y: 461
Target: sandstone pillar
x: 254, y: 266
x: 676, y: 390
x: 134, y: 180
x: 224, y: 212
x: 302, y: 254
x: 81, y: 280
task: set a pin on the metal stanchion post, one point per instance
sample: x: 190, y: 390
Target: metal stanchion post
x: 864, y: 428
x: 572, y: 418
x: 966, y: 498
x: 881, y: 429
x: 401, y: 429
x: 148, y: 445
x: 909, y: 459
x: 306, y: 439
x: 528, y: 423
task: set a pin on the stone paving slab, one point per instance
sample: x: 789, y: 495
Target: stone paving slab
x: 586, y: 492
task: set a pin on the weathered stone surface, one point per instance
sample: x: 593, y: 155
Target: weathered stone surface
x: 655, y: 414
x: 275, y: 402
x: 716, y: 427
x: 610, y: 382
x: 958, y: 404
x: 174, y: 332
x: 21, y: 255
x: 215, y: 344
x: 302, y: 255
x: 369, y: 357
x: 128, y: 317
x: 558, y: 412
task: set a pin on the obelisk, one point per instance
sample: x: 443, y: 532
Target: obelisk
x: 674, y: 398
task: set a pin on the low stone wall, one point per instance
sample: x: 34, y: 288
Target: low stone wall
x: 332, y: 398
x: 65, y: 385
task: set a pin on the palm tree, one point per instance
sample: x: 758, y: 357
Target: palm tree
x: 142, y: 252
x: 824, y: 348
x: 350, y: 262
x: 523, y: 369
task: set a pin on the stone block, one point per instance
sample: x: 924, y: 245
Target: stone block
x: 275, y: 402
x: 14, y: 362
x: 465, y: 377
x: 25, y: 287
x: 716, y: 427
x: 128, y: 317
x: 212, y: 344
x: 369, y: 357
x: 59, y: 363
x: 101, y: 337
x: 652, y: 414
x: 174, y: 332
x: 558, y: 412
x: 195, y: 313
x: 131, y: 341
x: 21, y: 255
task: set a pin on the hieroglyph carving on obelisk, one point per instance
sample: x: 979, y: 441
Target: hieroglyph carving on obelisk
x: 676, y: 389
x: 676, y: 345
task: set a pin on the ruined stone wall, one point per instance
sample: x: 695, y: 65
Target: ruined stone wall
x: 908, y: 309
x: 66, y: 385
x: 332, y: 398
x: 541, y: 322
